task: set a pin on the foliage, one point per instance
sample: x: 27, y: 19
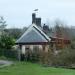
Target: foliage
x: 6, y: 42
x: 2, y: 23
x: 73, y: 43
x: 14, y: 32
x: 65, y: 58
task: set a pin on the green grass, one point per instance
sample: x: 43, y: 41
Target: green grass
x: 24, y: 68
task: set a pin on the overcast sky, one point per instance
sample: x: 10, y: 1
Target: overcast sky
x: 18, y: 13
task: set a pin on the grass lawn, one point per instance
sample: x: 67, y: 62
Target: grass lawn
x: 24, y: 68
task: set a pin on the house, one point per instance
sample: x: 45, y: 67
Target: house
x: 38, y: 38
x: 33, y: 37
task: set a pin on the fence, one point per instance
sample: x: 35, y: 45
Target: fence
x: 9, y: 53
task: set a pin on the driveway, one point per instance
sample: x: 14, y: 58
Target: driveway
x: 4, y: 63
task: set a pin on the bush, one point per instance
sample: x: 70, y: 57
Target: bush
x: 6, y: 42
x: 65, y: 58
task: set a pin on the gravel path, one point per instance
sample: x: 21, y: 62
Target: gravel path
x: 4, y: 63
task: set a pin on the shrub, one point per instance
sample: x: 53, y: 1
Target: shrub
x: 6, y: 42
x: 65, y: 58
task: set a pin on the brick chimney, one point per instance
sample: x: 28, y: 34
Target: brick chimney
x: 35, y: 20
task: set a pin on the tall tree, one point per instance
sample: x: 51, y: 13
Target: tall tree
x: 2, y: 25
x: 60, y: 29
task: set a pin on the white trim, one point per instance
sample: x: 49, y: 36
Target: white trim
x: 42, y: 32
x: 40, y: 35
x: 28, y: 30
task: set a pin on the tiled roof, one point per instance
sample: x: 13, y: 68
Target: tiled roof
x: 33, y: 35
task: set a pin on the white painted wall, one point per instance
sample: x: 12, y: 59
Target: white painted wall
x: 31, y: 47
x: 23, y: 49
x: 40, y: 47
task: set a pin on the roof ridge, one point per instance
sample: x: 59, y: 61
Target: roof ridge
x: 41, y: 33
x: 37, y: 28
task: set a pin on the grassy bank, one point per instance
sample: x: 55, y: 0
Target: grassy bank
x: 24, y: 68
